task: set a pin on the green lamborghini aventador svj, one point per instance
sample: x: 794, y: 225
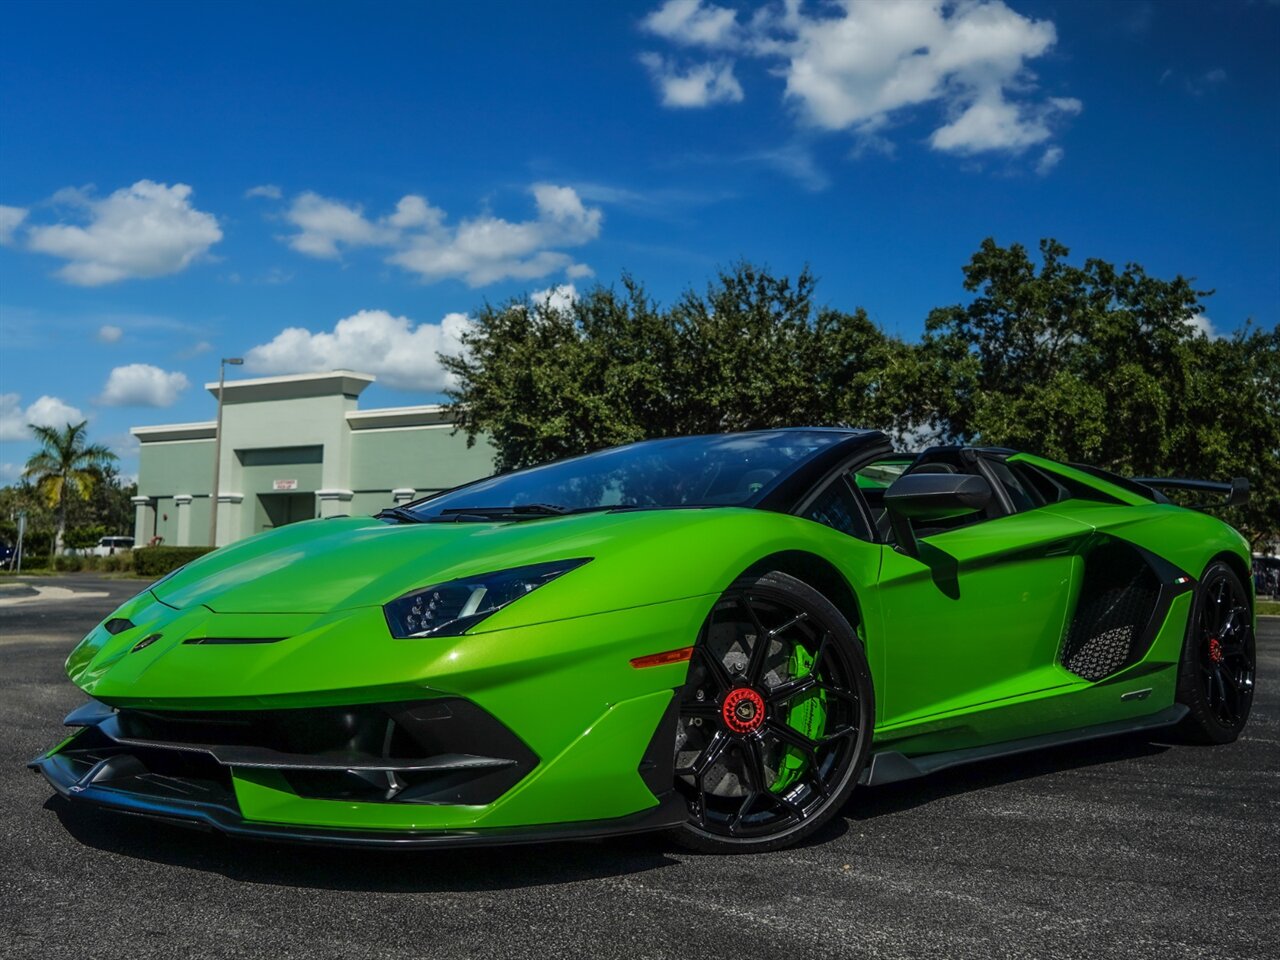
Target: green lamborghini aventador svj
x: 721, y: 635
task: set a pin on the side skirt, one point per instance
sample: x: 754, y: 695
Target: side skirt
x: 890, y: 766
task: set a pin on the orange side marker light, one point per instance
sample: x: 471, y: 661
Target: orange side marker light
x: 661, y: 659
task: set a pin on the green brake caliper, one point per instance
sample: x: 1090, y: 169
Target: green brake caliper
x: 807, y: 715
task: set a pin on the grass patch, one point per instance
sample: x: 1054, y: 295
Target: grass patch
x: 1269, y: 608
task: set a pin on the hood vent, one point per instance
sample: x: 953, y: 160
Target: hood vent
x: 220, y: 640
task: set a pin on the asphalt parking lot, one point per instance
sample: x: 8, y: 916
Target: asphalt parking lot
x: 1122, y: 848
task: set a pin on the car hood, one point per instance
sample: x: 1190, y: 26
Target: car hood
x: 325, y: 565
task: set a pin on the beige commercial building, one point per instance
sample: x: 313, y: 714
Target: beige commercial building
x: 294, y: 448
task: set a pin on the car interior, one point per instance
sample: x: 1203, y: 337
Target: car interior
x: 1016, y: 487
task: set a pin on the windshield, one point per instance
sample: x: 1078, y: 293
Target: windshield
x: 719, y: 470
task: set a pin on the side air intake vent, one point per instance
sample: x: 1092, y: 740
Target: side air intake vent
x: 447, y: 750
x: 1117, y: 599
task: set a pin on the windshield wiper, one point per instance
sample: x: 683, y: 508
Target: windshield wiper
x: 398, y: 513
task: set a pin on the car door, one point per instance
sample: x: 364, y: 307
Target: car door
x: 976, y: 620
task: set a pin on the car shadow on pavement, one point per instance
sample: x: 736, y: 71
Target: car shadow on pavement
x: 869, y: 803
x: 528, y: 865
x: 385, y: 871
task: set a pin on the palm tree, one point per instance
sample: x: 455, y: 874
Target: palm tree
x: 65, y: 465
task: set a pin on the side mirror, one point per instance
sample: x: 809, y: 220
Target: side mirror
x: 932, y: 496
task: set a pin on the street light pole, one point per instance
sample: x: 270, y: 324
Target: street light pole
x: 217, y: 449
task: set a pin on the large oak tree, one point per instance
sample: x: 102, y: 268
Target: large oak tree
x: 1092, y: 362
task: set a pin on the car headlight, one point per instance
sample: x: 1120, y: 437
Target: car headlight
x: 450, y: 609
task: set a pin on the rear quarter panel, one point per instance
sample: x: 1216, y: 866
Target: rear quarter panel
x: 1186, y: 538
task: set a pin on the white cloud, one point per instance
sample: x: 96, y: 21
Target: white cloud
x: 142, y: 385
x: 10, y: 219
x: 1200, y: 84
x: 125, y: 444
x: 109, y: 333
x: 560, y: 297
x: 795, y: 161
x: 698, y: 86
x: 576, y: 271
x: 861, y: 65
x: 47, y: 411
x: 399, y: 353
x: 267, y: 191
x: 274, y: 276
x: 13, y: 422
x: 692, y: 23
x: 1065, y: 104
x: 414, y: 211
x: 991, y: 122
x: 479, y: 250
x: 9, y: 472
x: 324, y: 223
x: 487, y: 249
x: 1204, y: 326
x: 1048, y: 160
x: 146, y: 230
x: 50, y: 411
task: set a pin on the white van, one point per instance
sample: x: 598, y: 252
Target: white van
x: 111, y: 545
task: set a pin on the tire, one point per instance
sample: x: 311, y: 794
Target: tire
x: 771, y: 737
x: 1219, y: 659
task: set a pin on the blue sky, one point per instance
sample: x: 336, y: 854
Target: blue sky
x: 311, y: 185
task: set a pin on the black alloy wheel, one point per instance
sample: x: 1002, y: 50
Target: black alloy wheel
x: 1219, y: 659
x: 775, y: 717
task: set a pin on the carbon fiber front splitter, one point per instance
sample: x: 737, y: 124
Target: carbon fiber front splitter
x: 218, y: 817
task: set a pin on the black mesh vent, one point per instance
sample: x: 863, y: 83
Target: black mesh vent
x: 1117, y: 598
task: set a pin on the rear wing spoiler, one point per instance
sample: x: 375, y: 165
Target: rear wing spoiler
x: 1235, y: 493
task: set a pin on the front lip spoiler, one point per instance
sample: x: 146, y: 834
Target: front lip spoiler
x: 250, y: 757
x: 670, y: 812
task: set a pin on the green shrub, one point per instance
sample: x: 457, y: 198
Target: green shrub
x: 157, y: 561
x: 79, y: 563
x: 119, y: 562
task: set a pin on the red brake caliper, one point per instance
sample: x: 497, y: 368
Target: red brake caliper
x: 1215, y: 650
